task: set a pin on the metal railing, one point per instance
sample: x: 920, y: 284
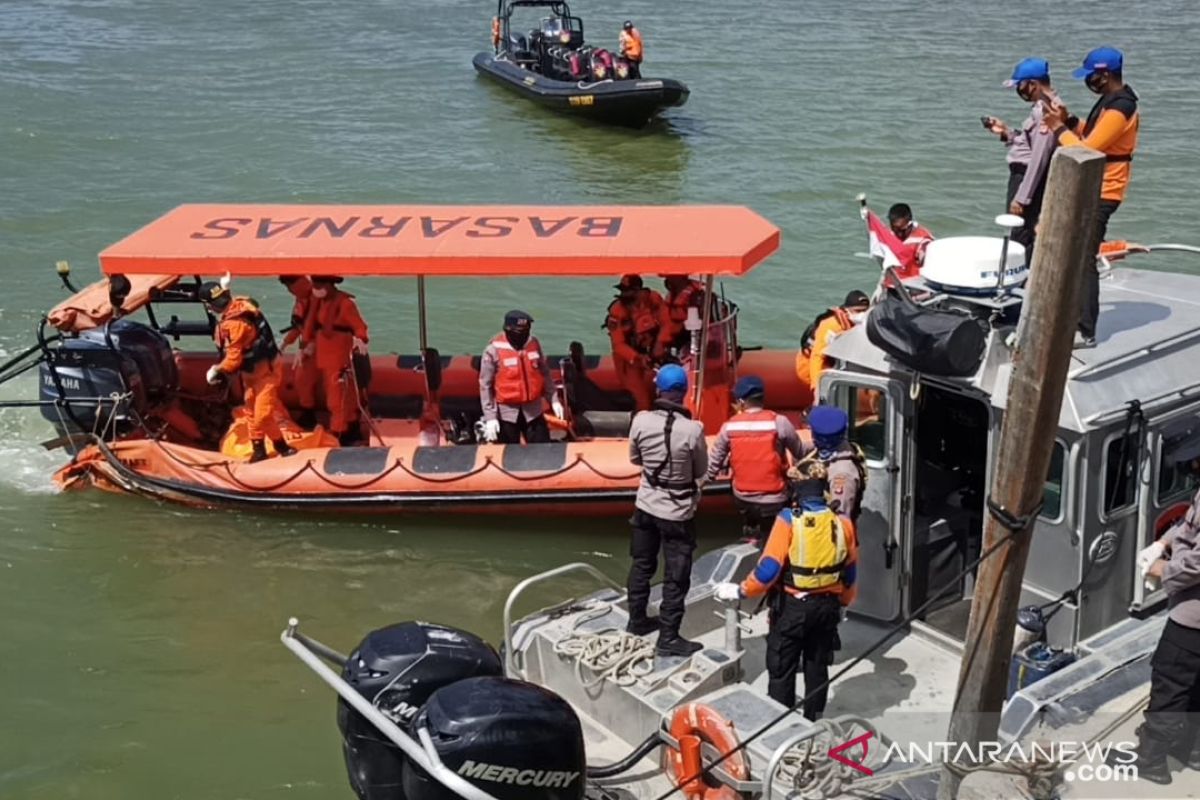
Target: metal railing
x: 510, y: 655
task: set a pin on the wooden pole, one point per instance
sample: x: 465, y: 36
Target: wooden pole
x: 1045, y: 338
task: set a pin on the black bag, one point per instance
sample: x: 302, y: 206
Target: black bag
x: 927, y: 340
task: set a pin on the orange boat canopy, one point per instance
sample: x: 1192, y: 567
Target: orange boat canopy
x: 502, y: 241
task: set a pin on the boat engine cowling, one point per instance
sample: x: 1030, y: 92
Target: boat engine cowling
x: 127, y: 360
x: 396, y: 669
x: 514, y: 740
x: 601, y: 64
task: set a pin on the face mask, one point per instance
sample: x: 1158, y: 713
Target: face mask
x: 1097, y: 81
x: 319, y: 293
x: 517, y: 338
x: 857, y: 317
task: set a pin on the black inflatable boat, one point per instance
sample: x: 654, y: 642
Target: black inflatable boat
x: 553, y: 66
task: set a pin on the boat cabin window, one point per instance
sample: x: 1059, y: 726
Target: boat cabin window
x: 1120, y: 473
x: 867, y: 409
x: 1052, y: 495
x: 1174, y: 479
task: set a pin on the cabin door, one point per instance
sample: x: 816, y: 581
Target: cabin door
x: 878, y: 409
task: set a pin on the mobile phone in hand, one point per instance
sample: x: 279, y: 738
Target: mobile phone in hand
x: 987, y: 123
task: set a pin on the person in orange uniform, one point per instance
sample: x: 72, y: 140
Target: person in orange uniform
x: 336, y: 330
x: 835, y: 321
x: 629, y: 47
x: 635, y: 321
x: 247, y: 346
x: 813, y: 553
x: 682, y: 293
x: 755, y: 444
x: 304, y: 368
x: 1111, y: 128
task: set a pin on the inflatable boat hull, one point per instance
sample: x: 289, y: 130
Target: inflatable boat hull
x: 630, y: 102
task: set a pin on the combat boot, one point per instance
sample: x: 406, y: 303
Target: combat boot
x: 260, y: 451
x: 642, y: 626
x: 282, y: 448
x: 672, y: 644
x: 1151, y: 762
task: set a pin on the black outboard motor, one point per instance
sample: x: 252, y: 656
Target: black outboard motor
x: 126, y: 358
x: 514, y: 740
x: 396, y: 669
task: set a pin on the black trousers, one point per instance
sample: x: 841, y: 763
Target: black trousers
x: 535, y: 431
x: 677, y: 541
x: 757, y: 518
x: 1174, y: 711
x: 1089, y: 293
x: 1026, y: 235
x: 803, y: 631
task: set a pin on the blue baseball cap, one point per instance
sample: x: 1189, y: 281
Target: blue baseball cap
x: 828, y: 422
x: 1106, y: 58
x: 1029, y: 69
x: 748, y: 386
x: 671, y: 378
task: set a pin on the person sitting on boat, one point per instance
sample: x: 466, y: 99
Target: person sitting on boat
x: 682, y: 293
x: 813, y: 553
x: 304, y: 367
x: 634, y: 322
x: 247, y: 347
x: 845, y: 464
x: 811, y: 360
x: 755, y: 444
x: 912, y: 234
x: 629, y: 47
x: 514, y: 379
x: 335, y: 331
x: 669, y: 447
x: 1175, y: 667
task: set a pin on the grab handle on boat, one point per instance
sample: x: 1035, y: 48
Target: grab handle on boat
x: 511, y: 668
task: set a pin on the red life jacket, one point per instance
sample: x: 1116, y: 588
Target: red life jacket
x: 754, y: 458
x: 518, y: 374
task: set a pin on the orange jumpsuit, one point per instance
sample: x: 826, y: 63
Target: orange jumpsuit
x: 836, y: 323
x: 673, y: 332
x: 304, y: 371
x: 634, y: 331
x: 248, y: 346
x: 333, y: 325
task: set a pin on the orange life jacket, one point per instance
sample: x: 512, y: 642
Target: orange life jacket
x: 635, y: 329
x: 246, y: 310
x: 631, y: 45
x: 519, y: 372
x: 754, y: 457
x: 679, y: 304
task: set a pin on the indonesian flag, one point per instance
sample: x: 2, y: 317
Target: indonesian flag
x: 887, y: 247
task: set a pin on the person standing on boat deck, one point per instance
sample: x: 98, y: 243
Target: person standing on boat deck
x: 1112, y: 129
x: 1029, y: 148
x: 336, y: 331
x: 813, y: 553
x: 635, y: 320
x: 1172, y: 717
x: 914, y: 236
x: 682, y: 293
x: 844, y: 463
x: 811, y: 361
x: 629, y: 47
x: 669, y: 447
x: 304, y: 367
x: 247, y: 347
x: 514, y: 379
x: 755, y: 444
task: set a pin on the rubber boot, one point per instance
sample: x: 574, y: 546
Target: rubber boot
x: 643, y: 626
x: 260, y: 451
x: 675, y: 645
x: 282, y: 448
x: 1187, y: 749
x: 1151, y: 760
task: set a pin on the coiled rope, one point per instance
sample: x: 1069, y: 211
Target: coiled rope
x: 612, y: 655
x: 807, y: 768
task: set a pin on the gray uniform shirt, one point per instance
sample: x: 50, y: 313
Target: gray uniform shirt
x: 1040, y: 144
x: 844, y: 481
x: 786, y: 441
x: 1181, y: 574
x: 687, y: 461
x: 488, y: 365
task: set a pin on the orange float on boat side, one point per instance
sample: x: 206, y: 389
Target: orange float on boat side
x: 692, y: 726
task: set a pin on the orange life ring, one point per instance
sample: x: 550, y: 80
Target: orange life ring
x: 692, y: 725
